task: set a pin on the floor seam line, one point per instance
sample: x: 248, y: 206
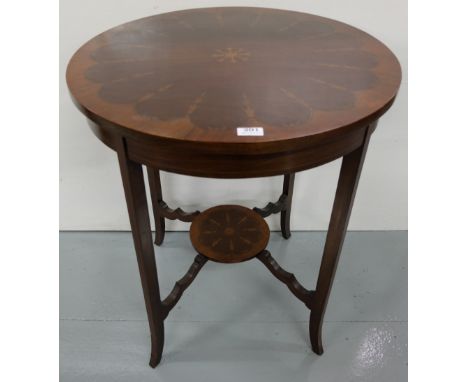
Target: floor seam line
x: 243, y: 322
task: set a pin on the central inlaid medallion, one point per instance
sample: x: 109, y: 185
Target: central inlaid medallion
x: 229, y: 233
x: 232, y: 55
x: 221, y: 69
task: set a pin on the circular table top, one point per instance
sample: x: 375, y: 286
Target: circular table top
x: 229, y: 233
x: 198, y: 75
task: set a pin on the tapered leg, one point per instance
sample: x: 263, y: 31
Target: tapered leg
x: 288, y: 188
x: 134, y: 187
x: 347, y: 184
x: 154, y: 181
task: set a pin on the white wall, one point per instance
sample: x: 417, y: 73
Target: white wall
x: 91, y: 194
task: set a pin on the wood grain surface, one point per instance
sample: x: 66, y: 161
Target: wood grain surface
x: 197, y: 75
x: 229, y: 233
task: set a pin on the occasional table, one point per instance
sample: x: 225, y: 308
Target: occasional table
x: 233, y: 92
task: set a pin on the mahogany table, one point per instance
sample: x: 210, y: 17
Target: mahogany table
x: 171, y: 91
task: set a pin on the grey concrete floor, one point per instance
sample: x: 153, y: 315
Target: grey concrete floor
x: 236, y: 322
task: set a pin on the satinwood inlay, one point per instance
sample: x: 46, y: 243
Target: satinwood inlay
x: 229, y: 234
x: 231, y: 55
x: 168, y: 92
x: 198, y: 74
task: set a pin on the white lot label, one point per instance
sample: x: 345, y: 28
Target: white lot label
x: 250, y: 131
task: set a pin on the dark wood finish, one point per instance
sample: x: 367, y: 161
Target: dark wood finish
x: 192, y: 161
x: 169, y: 92
x: 154, y: 182
x: 229, y: 233
x: 161, y: 210
x: 288, y: 189
x: 317, y: 300
x: 306, y: 296
x: 181, y: 285
x: 135, y: 195
x: 179, y: 84
x: 157, y: 310
x: 177, y: 214
x: 283, y: 205
x: 346, y: 190
x: 272, y: 208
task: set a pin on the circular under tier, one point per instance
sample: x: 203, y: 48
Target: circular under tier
x: 229, y: 233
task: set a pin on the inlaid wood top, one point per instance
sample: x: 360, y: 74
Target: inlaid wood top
x: 229, y: 233
x: 197, y: 75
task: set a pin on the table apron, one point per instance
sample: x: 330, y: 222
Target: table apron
x: 177, y: 158
x: 215, y: 165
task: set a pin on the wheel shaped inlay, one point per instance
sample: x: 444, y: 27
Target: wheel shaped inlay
x: 298, y: 64
x: 232, y: 55
x: 229, y: 233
